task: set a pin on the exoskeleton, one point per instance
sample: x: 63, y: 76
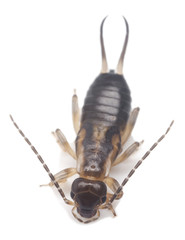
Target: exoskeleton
x: 102, y: 129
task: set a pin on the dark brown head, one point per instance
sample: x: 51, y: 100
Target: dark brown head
x: 88, y: 195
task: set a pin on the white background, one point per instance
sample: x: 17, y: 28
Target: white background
x: 48, y: 48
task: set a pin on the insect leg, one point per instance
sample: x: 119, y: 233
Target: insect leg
x: 113, y: 184
x: 43, y: 164
x: 62, y: 176
x: 131, y: 149
x: 119, y: 189
x: 63, y: 143
x: 130, y: 125
x: 75, y: 112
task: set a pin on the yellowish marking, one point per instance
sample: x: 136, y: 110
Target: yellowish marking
x: 81, y: 137
x: 98, y: 135
x: 80, y: 152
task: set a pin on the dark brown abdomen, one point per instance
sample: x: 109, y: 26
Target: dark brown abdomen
x: 108, y: 101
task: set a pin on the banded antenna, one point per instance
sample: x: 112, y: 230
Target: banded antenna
x: 52, y: 177
x: 108, y: 205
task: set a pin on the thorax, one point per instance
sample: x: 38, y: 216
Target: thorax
x: 96, y: 149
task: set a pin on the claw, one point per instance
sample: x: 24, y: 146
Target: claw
x: 110, y: 207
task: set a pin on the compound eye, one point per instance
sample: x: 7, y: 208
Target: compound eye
x: 103, y: 199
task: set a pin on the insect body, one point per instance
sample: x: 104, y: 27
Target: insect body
x: 104, y: 127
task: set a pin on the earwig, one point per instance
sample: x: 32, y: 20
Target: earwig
x: 105, y: 125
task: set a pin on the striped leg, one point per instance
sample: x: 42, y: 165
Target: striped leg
x: 129, y: 151
x: 113, y: 184
x: 75, y: 112
x: 119, y: 189
x: 62, y: 176
x: 43, y: 164
x: 130, y: 125
x: 63, y: 143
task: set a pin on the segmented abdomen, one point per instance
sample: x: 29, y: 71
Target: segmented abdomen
x: 108, y: 101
